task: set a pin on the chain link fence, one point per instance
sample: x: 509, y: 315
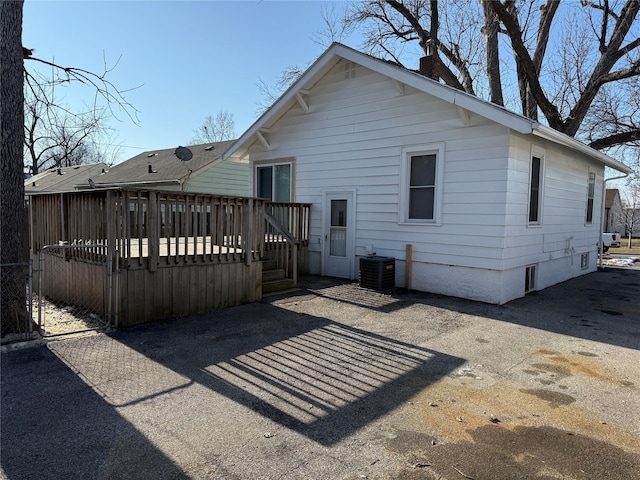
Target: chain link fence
x: 16, y: 300
x: 74, y: 290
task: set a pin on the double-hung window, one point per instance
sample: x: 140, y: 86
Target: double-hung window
x: 422, y: 183
x: 422, y: 187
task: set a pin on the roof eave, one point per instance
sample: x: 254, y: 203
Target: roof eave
x: 337, y: 51
x: 127, y: 184
x: 329, y: 55
x: 555, y: 136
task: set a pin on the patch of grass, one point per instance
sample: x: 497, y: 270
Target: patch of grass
x: 624, y: 247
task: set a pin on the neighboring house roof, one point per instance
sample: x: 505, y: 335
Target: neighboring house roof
x: 64, y: 179
x: 610, y: 197
x: 163, y: 166
x: 402, y: 76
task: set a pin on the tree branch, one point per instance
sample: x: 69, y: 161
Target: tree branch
x: 529, y: 70
x: 616, y: 139
x: 103, y: 87
x: 445, y: 72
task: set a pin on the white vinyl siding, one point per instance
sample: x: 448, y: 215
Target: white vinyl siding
x: 357, y: 136
x: 353, y: 138
x: 563, y: 227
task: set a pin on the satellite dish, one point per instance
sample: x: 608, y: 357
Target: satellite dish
x: 183, y: 153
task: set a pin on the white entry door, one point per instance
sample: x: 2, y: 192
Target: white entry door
x: 339, y: 227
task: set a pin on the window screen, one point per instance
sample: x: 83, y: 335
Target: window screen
x: 422, y: 186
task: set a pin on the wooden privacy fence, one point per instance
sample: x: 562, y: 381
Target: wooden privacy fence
x: 167, y: 253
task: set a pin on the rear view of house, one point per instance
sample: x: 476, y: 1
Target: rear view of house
x: 470, y: 199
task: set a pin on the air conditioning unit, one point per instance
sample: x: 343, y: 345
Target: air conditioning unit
x: 378, y: 273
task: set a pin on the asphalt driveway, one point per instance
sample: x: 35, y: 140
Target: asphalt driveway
x: 335, y: 382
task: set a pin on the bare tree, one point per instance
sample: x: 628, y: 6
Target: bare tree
x: 58, y: 137
x: 335, y: 26
x: 13, y: 79
x: 13, y: 295
x: 572, y: 82
x: 391, y: 27
x: 271, y: 93
x: 609, y: 55
x: 215, y: 129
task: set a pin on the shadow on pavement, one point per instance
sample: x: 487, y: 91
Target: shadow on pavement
x: 319, y: 378
x: 54, y: 425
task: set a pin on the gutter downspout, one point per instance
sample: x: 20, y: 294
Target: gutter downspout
x: 604, y: 191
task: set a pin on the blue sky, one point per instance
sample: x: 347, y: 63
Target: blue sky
x: 190, y: 58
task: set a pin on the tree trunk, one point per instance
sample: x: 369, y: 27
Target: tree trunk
x: 490, y: 31
x: 12, y: 222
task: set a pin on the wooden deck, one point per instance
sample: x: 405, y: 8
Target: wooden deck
x: 206, y: 253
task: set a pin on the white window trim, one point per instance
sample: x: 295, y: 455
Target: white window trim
x: 405, y: 170
x: 541, y: 154
x: 272, y: 163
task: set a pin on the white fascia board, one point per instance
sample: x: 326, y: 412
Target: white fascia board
x: 560, y: 138
x: 443, y: 92
x: 284, y: 100
x: 448, y: 94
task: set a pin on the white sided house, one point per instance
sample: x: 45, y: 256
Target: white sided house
x: 471, y: 200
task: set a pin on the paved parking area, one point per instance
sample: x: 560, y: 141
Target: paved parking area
x: 334, y: 382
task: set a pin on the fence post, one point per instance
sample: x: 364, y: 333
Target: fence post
x: 111, y: 248
x: 153, y: 232
x: 249, y: 241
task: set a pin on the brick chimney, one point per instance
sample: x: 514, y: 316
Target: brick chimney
x: 429, y: 63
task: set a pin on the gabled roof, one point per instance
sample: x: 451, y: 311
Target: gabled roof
x: 463, y: 100
x: 64, y: 179
x: 610, y: 197
x: 163, y: 166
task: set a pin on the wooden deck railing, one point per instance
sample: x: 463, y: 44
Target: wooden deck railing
x: 294, y: 217
x: 167, y: 253
x: 286, y: 230
x: 151, y: 227
x: 176, y: 228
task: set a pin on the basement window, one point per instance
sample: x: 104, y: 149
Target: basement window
x: 584, y: 261
x: 530, y: 279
